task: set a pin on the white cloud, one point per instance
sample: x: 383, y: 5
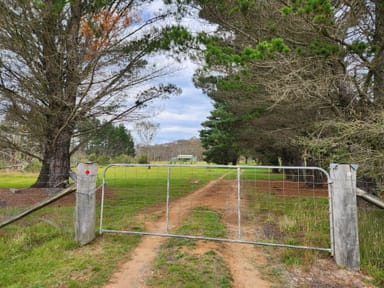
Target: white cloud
x: 167, y: 116
x: 179, y: 129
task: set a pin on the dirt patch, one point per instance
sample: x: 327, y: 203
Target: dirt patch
x: 23, y: 197
x: 324, y: 273
x: 26, y: 197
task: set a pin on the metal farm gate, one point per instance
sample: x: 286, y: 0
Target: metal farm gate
x: 261, y: 205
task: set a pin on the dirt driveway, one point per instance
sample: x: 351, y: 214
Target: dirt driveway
x: 245, y: 262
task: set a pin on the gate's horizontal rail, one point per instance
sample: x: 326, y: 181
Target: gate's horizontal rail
x: 222, y: 166
x: 217, y: 239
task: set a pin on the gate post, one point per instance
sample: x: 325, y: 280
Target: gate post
x: 344, y: 208
x: 86, y: 203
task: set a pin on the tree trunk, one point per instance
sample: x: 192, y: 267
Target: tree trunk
x: 56, y: 163
x: 378, y: 62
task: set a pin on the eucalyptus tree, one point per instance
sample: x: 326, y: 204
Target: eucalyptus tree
x: 65, y: 61
x: 147, y: 130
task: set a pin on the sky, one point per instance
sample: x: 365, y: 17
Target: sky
x: 180, y: 117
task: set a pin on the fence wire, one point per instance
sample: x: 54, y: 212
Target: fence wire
x: 287, y: 206
x: 56, y: 218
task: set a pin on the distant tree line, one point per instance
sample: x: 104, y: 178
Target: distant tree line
x: 164, y: 152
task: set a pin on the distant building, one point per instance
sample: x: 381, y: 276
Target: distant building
x: 184, y: 158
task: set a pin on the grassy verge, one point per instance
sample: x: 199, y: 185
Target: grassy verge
x: 43, y: 256
x: 293, y: 221
x: 179, y: 264
x: 371, y: 235
x: 304, y: 221
x: 17, y: 179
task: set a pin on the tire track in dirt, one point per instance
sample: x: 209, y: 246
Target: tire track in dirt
x: 241, y: 259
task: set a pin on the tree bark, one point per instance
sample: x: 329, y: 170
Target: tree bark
x: 56, y: 163
x: 378, y: 62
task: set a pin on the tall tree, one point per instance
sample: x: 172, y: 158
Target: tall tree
x: 352, y: 31
x: 64, y: 61
x: 317, y: 61
x: 218, y: 138
x: 249, y: 63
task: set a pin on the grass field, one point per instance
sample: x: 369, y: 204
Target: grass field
x: 36, y: 252
x: 17, y: 179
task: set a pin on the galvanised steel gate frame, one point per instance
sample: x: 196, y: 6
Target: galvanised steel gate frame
x: 239, y: 233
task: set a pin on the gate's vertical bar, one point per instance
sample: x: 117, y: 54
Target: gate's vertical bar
x: 167, y: 201
x: 102, y: 202
x: 239, y: 202
x: 330, y: 201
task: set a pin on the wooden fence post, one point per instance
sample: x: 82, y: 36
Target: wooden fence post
x: 345, y: 223
x: 86, y: 203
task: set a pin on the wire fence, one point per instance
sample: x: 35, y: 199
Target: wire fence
x: 56, y: 218
x: 278, y: 206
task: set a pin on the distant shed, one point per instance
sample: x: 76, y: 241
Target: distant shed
x: 184, y: 158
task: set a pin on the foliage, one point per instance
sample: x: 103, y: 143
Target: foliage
x: 34, y: 166
x: 147, y: 131
x: 217, y: 138
x: 227, y: 56
x: 111, y: 140
x: 314, y: 63
x: 143, y: 159
x: 346, y: 142
x: 249, y: 68
x: 123, y: 158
